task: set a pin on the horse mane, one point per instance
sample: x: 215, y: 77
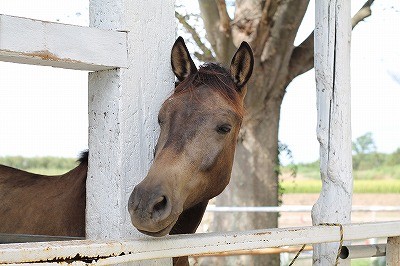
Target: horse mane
x: 214, y: 76
x: 83, y: 156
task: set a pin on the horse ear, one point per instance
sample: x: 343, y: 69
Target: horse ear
x: 182, y: 63
x: 242, y: 65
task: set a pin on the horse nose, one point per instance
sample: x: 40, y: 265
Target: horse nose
x: 148, y: 209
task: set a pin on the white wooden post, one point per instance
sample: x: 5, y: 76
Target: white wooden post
x: 332, y: 70
x: 393, y: 251
x: 123, y: 109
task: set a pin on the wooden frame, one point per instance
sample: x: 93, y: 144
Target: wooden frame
x: 36, y: 42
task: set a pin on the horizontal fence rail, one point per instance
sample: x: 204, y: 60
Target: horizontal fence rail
x: 23, y: 238
x: 297, y: 208
x: 363, y: 251
x: 36, y: 42
x: 111, y: 252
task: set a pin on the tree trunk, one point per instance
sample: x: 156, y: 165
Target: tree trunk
x: 254, y: 182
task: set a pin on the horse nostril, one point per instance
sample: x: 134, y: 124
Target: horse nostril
x: 160, y: 204
x: 160, y: 208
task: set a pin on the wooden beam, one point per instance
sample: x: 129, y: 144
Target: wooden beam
x: 332, y: 70
x: 106, y: 252
x: 123, y: 110
x: 35, y: 42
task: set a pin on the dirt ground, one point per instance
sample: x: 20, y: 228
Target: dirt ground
x: 303, y: 219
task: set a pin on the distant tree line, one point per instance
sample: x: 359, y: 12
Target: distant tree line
x: 48, y: 162
x: 365, y: 155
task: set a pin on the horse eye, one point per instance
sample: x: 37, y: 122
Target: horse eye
x: 224, y: 129
x: 159, y: 121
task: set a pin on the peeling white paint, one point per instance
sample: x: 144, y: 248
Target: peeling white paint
x: 123, y: 110
x: 36, y: 42
x: 332, y: 68
x: 113, y: 252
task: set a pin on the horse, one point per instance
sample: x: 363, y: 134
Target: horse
x: 193, y: 158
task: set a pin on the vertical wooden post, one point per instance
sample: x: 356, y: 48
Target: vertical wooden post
x: 123, y: 109
x: 332, y: 70
x: 393, y: 251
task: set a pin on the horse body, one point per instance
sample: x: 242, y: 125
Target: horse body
x: 43, y: 205
x: 193, y: 161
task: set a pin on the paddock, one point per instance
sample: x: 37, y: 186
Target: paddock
x: 123, y: 104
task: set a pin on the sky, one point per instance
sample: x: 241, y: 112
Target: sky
x: 43, y: 110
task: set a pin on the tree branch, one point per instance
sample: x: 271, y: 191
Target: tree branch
x: 302, y: 58
x: 363, y: 13
x: 224, y: 19
x: 207, y: 54
x: 287, y: 20
x: 220, y: 42
x: 263, y: 27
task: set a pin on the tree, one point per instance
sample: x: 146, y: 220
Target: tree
x: 365, y: 155
x: 270, y: 26
x: 364, y: 144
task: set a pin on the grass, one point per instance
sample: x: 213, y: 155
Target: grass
x: 380, y: 179
x: 48, y: 171
x: 360, y: 186
x: 379, y: 173
x: 311, y: 171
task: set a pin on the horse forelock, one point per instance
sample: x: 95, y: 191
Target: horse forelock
x: 216, y: 77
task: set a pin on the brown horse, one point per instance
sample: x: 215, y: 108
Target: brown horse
x: 43, y: 205
x: 193, y: 160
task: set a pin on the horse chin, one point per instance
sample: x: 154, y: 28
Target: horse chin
x: 162, y: 232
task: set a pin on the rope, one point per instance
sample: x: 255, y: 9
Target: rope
x: 340, y: 244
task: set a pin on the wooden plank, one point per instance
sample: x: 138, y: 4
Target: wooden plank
x: 123, y: 110
x: 35, y: 42
x: 393, y: 251
x: 332, y: 70
x: 23, y: 238
x: 111, y: 252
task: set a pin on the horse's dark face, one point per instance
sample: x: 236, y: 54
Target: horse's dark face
x: 199, y: 125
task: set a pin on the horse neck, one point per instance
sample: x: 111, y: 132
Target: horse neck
x: 77, y: 175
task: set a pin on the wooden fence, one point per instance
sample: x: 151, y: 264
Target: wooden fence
x: 127, y: 46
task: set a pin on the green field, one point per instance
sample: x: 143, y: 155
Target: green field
x: 40, y: 165
x: 381, y: 175
x: 48, y: 171
x: 360, y: 186
x: 311, y: 171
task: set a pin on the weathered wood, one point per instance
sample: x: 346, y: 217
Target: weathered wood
x: 332, y: 70
x: 36, y: 42
x: 123, y: 109
x: 393, y: 251
x: 23, y: 238
x: 181, y: 245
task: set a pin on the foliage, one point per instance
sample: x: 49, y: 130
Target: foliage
x: 48, y: 171
x: 40, y: 164
x: 365, y: 155
x: 367, y: 163
x: 284, y: 149
x: 360, y: 186
x: 364, y: 144
x: 377, y: 173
